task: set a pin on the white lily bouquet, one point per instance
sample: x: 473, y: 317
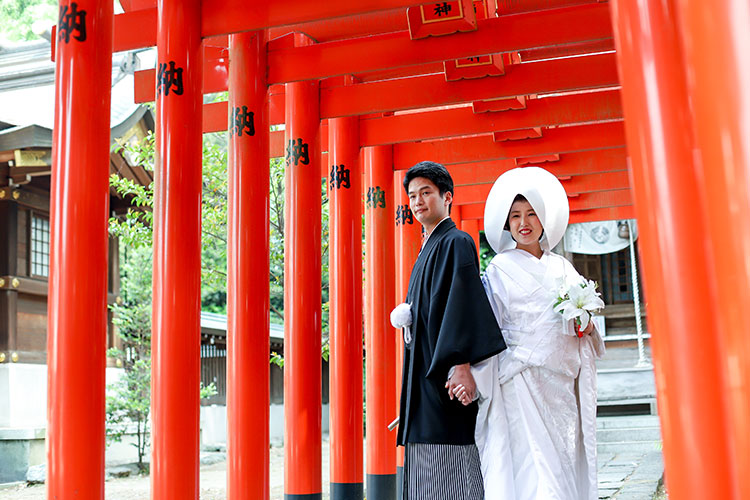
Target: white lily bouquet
x: 578, y: 302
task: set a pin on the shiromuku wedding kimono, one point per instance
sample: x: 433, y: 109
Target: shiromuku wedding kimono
x: 536, y: 427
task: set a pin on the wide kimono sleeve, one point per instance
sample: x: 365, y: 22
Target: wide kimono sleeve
x: 495, y: 290
x: 597, y: 343
x: 461, y: 324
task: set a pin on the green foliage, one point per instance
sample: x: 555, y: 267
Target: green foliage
x: 134, y: 228
x: 277, y: 359
x: 276, y: 238
x: 128, y: 400
x: 208, y: 391
x: 486, y: 253
x: 214, y: 224
x: 18, y: 18
x: 128, y: 404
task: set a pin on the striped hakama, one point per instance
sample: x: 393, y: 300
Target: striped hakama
x: 442, y: 472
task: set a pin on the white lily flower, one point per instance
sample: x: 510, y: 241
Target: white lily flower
x: 562, y: 287
x: 580, y: 302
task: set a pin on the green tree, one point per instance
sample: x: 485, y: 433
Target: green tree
x: 19, y: 18
x: 135, y: 227
x: 129, y: 399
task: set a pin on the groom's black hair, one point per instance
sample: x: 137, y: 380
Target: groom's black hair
x: 435, y: 172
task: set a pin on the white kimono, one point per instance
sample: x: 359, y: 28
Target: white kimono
x: 536, y: 428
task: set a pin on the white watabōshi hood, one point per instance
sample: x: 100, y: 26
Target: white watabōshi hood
x: 545, y: 194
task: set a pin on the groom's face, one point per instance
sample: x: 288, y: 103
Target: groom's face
x: 426, y: 203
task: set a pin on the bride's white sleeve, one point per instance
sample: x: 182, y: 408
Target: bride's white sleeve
x: 493, y: 287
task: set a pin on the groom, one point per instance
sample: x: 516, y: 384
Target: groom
x: 452, y: 327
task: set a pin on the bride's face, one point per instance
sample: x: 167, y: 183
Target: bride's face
x: 525, y: 226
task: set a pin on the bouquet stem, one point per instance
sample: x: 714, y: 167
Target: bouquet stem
x: 579, y: 331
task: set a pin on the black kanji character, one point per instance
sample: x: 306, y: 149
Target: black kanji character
x: 243, y: 121
x: 297, y: 152
x: 404, y: 215
x: 340, y: 177
x: 71, y: 19
x: 375, y: 197
x: 168, y: 78
x: 442, y: 8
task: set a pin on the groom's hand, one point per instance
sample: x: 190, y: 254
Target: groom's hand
x: 461, y: 385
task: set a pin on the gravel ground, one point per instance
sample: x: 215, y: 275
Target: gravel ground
x: 212, y: 481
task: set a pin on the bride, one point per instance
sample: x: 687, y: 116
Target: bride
x: 536, y: 428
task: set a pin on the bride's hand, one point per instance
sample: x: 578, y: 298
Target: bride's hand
x: 589, y: 328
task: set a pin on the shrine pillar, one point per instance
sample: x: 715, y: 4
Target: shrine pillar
x: 345, y: 361
x: 380, y: 337
x: 77, y: 302
x: 716, y: 41
x: 408, y: 241
x: 248, y: 393
x: 175, y: 382
x: 668, y: 202
x: 302, y: 295
x: 471, y: 226
x: 456, y: 215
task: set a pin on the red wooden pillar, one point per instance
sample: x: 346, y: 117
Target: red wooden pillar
x: 345, y: 191
x: 471, y: 226
x: 77, y: 319
x: 380, y: 341
x: 248, y: 395
x: 716, y: 43
x: 667, y: 198
x: 302, y: 296
x: 456, y: 215
x: 408, y: 241
x: 177, y: 253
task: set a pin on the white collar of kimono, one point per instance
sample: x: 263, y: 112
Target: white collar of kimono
x: 546, y: 196
x: 427, y: 236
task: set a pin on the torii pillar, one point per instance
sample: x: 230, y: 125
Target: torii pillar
x: 302, y: 295
x: 690, y: 381
x: 77, y: 319
x: 380, y: 338
x: 716, y: 43
x: 175, y: 378
x: 345, y: 361
x: 408, y: 241
x: 248, y: 393
x: 471, y: 226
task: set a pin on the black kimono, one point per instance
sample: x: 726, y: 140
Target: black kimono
x: 452, y: 324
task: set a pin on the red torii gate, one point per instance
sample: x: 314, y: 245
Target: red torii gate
x: 682, y: 110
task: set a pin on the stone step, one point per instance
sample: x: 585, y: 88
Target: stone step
x: 626, y: 407
x: 629, y: 446
x: 622, y: 311
x: 625, y: 333
x: 619, y: 384
x: 629, y: 422
x: 648, y: 434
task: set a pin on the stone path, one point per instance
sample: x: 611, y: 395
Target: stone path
x: 630, y: 475
x: 626, y: 475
